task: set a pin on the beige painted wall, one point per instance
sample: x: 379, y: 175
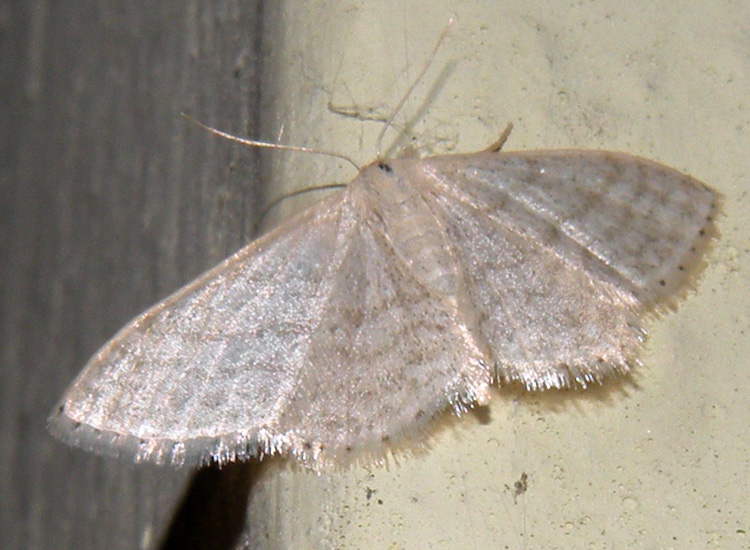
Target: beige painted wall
x: 660, y: 464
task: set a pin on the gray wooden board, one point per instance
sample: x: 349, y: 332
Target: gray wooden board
x: 109, y: 201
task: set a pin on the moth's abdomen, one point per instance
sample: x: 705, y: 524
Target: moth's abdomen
x: 414, y: 232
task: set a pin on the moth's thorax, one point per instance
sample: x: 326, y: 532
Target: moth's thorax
x: 398, y: 197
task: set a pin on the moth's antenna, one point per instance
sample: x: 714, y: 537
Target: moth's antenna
x: 268, y: 145
x: 404, y: 99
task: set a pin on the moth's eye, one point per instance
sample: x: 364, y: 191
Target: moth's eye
x: 385, y: 167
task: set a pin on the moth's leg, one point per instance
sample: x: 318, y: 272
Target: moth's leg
x: 498, y: 144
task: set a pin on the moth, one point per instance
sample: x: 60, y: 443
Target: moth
x: 416, y: 288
